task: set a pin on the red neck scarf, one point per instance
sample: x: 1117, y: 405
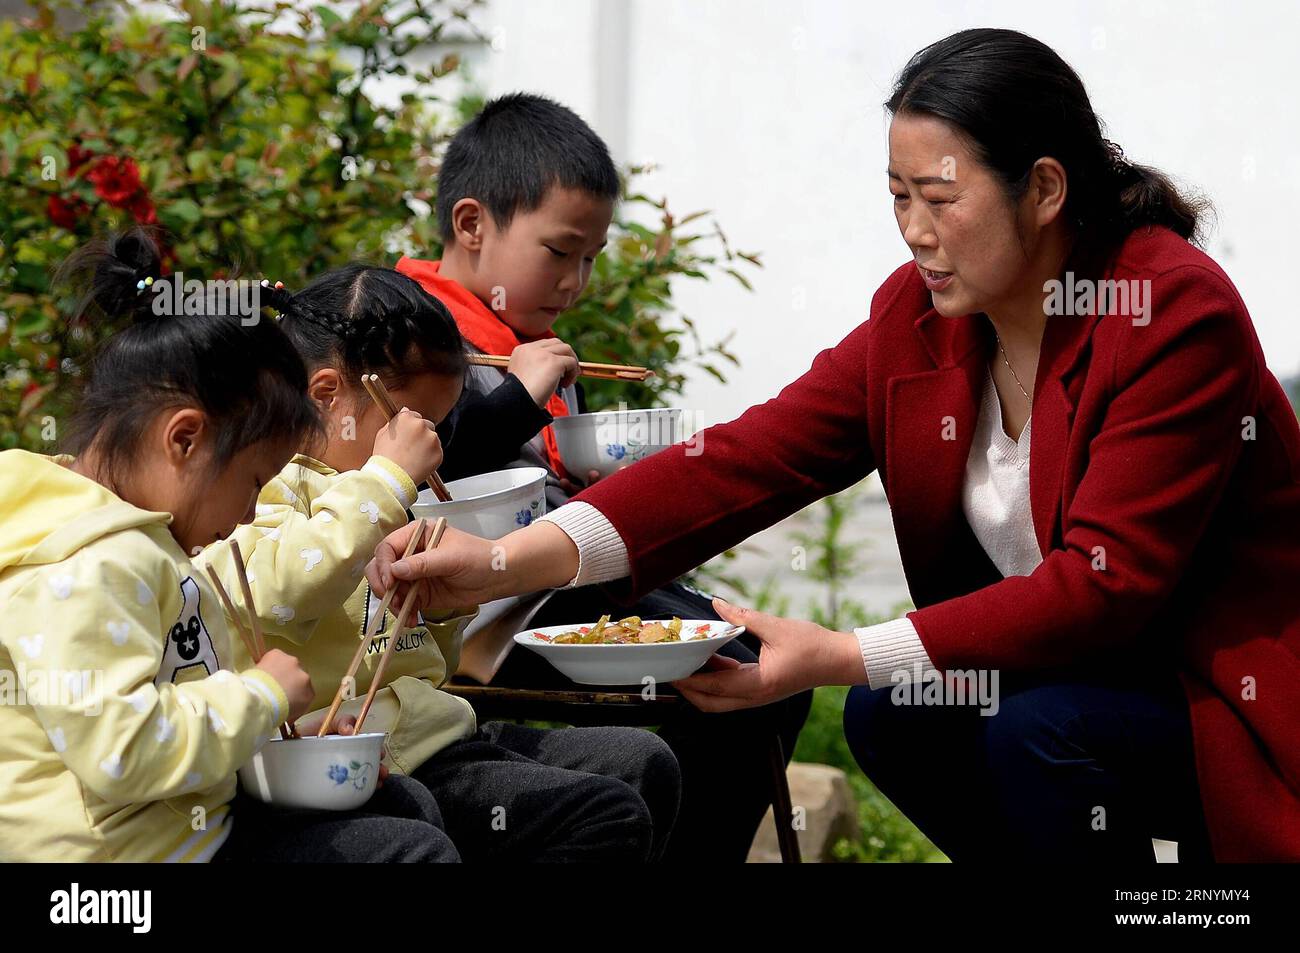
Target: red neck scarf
x: 485, y: 330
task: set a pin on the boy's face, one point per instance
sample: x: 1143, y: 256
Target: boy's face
x: 536, y: 267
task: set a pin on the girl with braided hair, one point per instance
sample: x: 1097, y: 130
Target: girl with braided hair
x: 611, y: 793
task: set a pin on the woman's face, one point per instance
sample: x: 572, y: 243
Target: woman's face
x: 956, y: 218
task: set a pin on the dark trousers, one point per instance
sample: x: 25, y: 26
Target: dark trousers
x: 1066, y: 771
x: 399, y: 824
x: 514, y: 794
x: 725, y: 772
x: 508, y: 794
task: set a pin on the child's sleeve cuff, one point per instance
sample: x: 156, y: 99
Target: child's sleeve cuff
x: 602, y: 554
x: 265, y: 687
x: 394, y: 477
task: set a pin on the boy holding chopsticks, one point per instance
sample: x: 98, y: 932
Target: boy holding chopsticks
x: 526, y: 194
x: 512, y: 263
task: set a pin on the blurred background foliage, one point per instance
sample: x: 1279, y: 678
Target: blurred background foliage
x: 247, y: 133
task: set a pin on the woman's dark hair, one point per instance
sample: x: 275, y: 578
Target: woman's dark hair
x: 1015, y: 101
x: 364, y: 319
x: 244, y: 374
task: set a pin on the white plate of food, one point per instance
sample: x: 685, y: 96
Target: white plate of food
x: 630, y: 651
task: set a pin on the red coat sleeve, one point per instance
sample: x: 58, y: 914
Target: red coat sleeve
x: 1170, y: 438
x: 684, y: 505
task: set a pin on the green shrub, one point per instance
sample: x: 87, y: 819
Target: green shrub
x: 260, y: 153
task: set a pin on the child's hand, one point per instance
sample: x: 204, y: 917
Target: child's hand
x: 412, y: 443
x: 286, y: 670
x: 342, y: 725
x: 542, y: 366
x: 572, y: 488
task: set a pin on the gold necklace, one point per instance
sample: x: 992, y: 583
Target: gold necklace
x: 1007, y: 362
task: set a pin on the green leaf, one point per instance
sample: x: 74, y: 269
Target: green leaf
x: 328, y: 17
x: 184, y: 209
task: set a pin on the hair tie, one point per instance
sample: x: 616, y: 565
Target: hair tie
x: 143, y: 283
x: 1118, y: 162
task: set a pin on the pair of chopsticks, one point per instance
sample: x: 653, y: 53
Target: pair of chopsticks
x: 253, y: 641
x: 439, y: 527
x: 384, y: 401
x: 607, y: 372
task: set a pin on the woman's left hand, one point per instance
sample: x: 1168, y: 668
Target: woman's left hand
x: 795, y: 656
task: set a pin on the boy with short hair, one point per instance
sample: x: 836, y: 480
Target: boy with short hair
x: 526, y: 195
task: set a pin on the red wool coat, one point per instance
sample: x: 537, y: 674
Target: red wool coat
x: 1166, y: 451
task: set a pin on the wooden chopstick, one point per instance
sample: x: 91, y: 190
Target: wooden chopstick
x: 371, y: 628
x: 439, y: 527
x: 379, y: 391
x: 286, y: 730
x: 244, y: 635
x: 379, y: 394
x: 254, y: 622
x: 609, y: 372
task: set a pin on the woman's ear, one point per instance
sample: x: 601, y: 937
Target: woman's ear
x: 183, y: 434
x: 468, y: 219
x: 1048, y: 187
x: 325, y: 387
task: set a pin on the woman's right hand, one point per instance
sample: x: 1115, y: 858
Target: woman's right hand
x: 411, y: 442
x: 287, y: 670
x: 466, y: 570
x: 543, y: 366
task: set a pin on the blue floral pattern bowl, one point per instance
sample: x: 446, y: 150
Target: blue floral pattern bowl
x: 610, y: 440
x: 334, y: 773
x: 489, y: 505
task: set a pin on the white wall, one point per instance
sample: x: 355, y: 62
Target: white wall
x: 768, y: 112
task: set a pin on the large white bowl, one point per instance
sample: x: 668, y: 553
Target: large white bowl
x: 334, y: 773
x: 609, y: 440
x: 634, y: 663
x: 489, y: 505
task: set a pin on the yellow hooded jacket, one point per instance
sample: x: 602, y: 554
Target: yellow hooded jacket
x: 122, y: 723
x: 306, y: 553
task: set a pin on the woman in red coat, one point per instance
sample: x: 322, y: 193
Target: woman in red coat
x: 1116, y: 617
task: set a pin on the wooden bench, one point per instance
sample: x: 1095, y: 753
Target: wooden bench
x: 587, y: 708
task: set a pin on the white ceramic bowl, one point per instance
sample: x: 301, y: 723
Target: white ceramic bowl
x: 334, y: 773
x: 629, y: 664
x: 489, y: 505
x: 612, y: 439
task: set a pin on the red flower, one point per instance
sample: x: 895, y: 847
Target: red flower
x: 65, y: 213
x: 116, y: 180
x: 77, y: 157
x: 142, y: 209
